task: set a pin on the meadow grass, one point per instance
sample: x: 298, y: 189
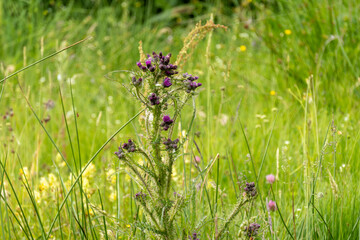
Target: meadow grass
x: 280, y: 96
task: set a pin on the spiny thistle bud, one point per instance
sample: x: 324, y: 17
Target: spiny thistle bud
x: 252, y: 229
x: 190, y: 83
x: 167, y: 83
x: 250, y: 189
x: 148, y: 63
x: 167, y: 121
x: 129, y: 146
x: 120, y: 154
x: 171, y: 145
x: 136, y: 82
x: 154, y: 99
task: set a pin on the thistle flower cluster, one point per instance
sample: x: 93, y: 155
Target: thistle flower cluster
x: 250, y: 190
x: 190, y: 82
x: 167, y: 122
x: 136, y: 82
x: 129, y: 146
x: 159, y: 67
x: 252, y: 229
x: 171, y: 145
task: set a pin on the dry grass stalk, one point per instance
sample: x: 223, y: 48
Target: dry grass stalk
x: 193, y: 38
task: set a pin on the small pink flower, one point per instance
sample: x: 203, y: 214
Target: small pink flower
x: 272, y: 205
x: 197, y: 159
x: 270, y: 178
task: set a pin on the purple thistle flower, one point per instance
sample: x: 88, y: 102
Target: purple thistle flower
x: 250, y: 189
x: 129, y: 146
x: 120, y: 154
x: 139, y: 64
x: 191, y: 86
x: 136, y: 82
x: 171, y: 145
x: 148, y: 63
x: 252, y: 229
x: 154, y: 99
x: 167, y: 121
x: 152, y: 68
x: 167, y: 82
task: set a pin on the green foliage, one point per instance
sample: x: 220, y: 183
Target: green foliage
x: 295, y: 92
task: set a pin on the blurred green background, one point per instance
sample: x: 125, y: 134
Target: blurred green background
x: 288, y: 70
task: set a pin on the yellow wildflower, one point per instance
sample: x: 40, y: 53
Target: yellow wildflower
x: 112, y: 197
x: 272, y: 93
x: 90, y: 171
x: 242, y: 48
x: 287, y: 31
x: 111, y: 176
x: 53, y: 182
x: 44, y: 185
x: 37, y: 196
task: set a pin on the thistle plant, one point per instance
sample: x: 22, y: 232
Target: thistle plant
x: 163, y: 91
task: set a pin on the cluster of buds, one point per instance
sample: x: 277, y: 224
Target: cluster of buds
x: 252, y: 229
x: 120, y: 154
x: 149, y: 66
x: 190, y: 83
x: 140, y: 196
x: 250, y: 189
x: 167, y: 121
x: 194, y: 236
x: 136, y: 82
x: 154, y: 99
x: 171, y: 145
x: 164, y: 64
x: 129, y: 146
x: 160, y: 65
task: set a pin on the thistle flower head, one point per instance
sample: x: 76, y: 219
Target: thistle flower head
x: 252, y: 229
x: 189, y: 82
x: 167, y: 121
x: 167, y: 82
x: 250, y: 189
x: 136, y: 82
x: 120, y: 154
x: 154, y: 99
x: 129, y: 146
x: 171, y: 145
